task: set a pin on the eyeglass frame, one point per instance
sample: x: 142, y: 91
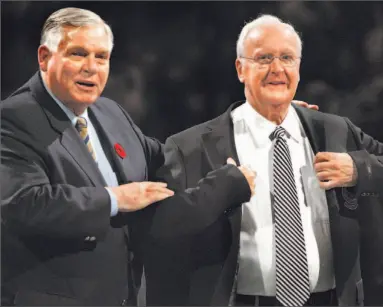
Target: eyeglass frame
x: 295, y: 58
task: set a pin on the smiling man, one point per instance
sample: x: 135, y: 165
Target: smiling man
x: 74, y: 168
x: 302, y: 238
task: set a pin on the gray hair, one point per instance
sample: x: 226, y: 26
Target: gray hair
x: 51, y: 33
x: 259, y: 22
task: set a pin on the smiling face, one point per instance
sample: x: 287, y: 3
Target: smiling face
x: 78, y: 71
x: 269, y: 88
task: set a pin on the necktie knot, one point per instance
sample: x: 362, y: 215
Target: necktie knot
x: 81, y: 124
x: 278, y: 133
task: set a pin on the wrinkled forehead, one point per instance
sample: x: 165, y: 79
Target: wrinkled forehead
x: 272, y: 39
x: 91, y: 36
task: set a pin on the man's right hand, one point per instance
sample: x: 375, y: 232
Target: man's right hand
x: 247, y: 172
x: 138, y: 195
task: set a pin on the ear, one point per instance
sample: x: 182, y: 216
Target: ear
x: 239, y: 67
x: 43, y: 55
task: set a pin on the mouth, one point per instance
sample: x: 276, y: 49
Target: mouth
x: 275, y: 83
x: 86, y: 84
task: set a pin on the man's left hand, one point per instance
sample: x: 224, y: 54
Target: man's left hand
x: 335, y: 170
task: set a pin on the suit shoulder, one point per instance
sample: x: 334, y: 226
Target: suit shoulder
x: 22, y: 116
x: 105, y: 101
x: 333, y: 120
x: 104, y: 104
x: 110, y: 106
x: 194, y: 133
x: 328, y: 118
x: 21, y: 105
x: 190, y: 133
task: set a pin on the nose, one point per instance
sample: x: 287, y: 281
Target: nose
x: 90, y: 65
x: 276, y: 65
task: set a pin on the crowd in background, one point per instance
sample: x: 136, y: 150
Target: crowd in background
x: 173, y: 62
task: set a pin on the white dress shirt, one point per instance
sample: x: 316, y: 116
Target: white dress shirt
x: 256, y: 275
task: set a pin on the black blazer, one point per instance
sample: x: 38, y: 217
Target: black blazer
x: 199, y: 269
x: 59, y: 244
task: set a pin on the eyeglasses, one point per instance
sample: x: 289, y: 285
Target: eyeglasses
x: 266, y: 59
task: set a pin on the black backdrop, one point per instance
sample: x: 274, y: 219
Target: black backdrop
x: 173, y: 62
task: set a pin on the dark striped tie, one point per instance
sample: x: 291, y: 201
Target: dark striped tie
x: 292, y: 277
x: 82, y: 129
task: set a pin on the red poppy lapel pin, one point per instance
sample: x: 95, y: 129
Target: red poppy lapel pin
x: 120, y: 150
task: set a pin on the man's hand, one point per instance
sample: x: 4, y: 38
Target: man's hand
x: 247, y: 172
x: 306, y: 105
x: 138, y: 195
x: 335, y: 170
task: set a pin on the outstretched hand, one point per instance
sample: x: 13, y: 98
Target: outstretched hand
x: 138, y: 195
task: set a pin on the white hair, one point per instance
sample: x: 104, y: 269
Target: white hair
x: 52, y: 31
x: 259, y: 22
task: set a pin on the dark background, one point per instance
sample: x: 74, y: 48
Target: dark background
x: 173, y: 62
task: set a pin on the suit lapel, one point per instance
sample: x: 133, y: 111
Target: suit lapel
x: 218, y: 141
x: 70, y: 139
x: 314, y: 127
x: 111, y: 134
x: 72, y: 142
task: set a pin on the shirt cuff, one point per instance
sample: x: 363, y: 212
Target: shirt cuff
x: 113, y: 203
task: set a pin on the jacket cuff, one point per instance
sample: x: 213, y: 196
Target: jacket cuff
x: 361, y: 159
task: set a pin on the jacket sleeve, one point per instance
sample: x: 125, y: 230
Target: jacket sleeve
x: 31, y: 205
x: 191, y: 210
x: 369, y: 164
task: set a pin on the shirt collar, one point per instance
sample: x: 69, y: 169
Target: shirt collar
x: 291, y: 124
x: 73, y: 117
x: 266, y: 127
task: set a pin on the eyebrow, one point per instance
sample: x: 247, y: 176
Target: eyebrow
x: 80, y: 48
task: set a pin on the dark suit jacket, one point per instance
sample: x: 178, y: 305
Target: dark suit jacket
x: 59, y: 244
x: 199, y: 269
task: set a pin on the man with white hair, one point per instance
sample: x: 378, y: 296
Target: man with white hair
x: 74, y: 174
x: 312, y: 229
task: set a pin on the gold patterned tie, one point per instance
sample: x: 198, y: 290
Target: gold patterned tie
x: 82, y: 129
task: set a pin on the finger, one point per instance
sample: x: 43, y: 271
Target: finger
x: 327, y: 185
x: 252, y: 190
x: 231, y: 161
x: 167, y: 191
x: 322, y: 176
x: 301, y: 103
x: 154, y: 197
x: 323, y: 166
x: 323, y: 156
x: 159, y: 190
x: 155, y: 184
x: 313, y: 107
